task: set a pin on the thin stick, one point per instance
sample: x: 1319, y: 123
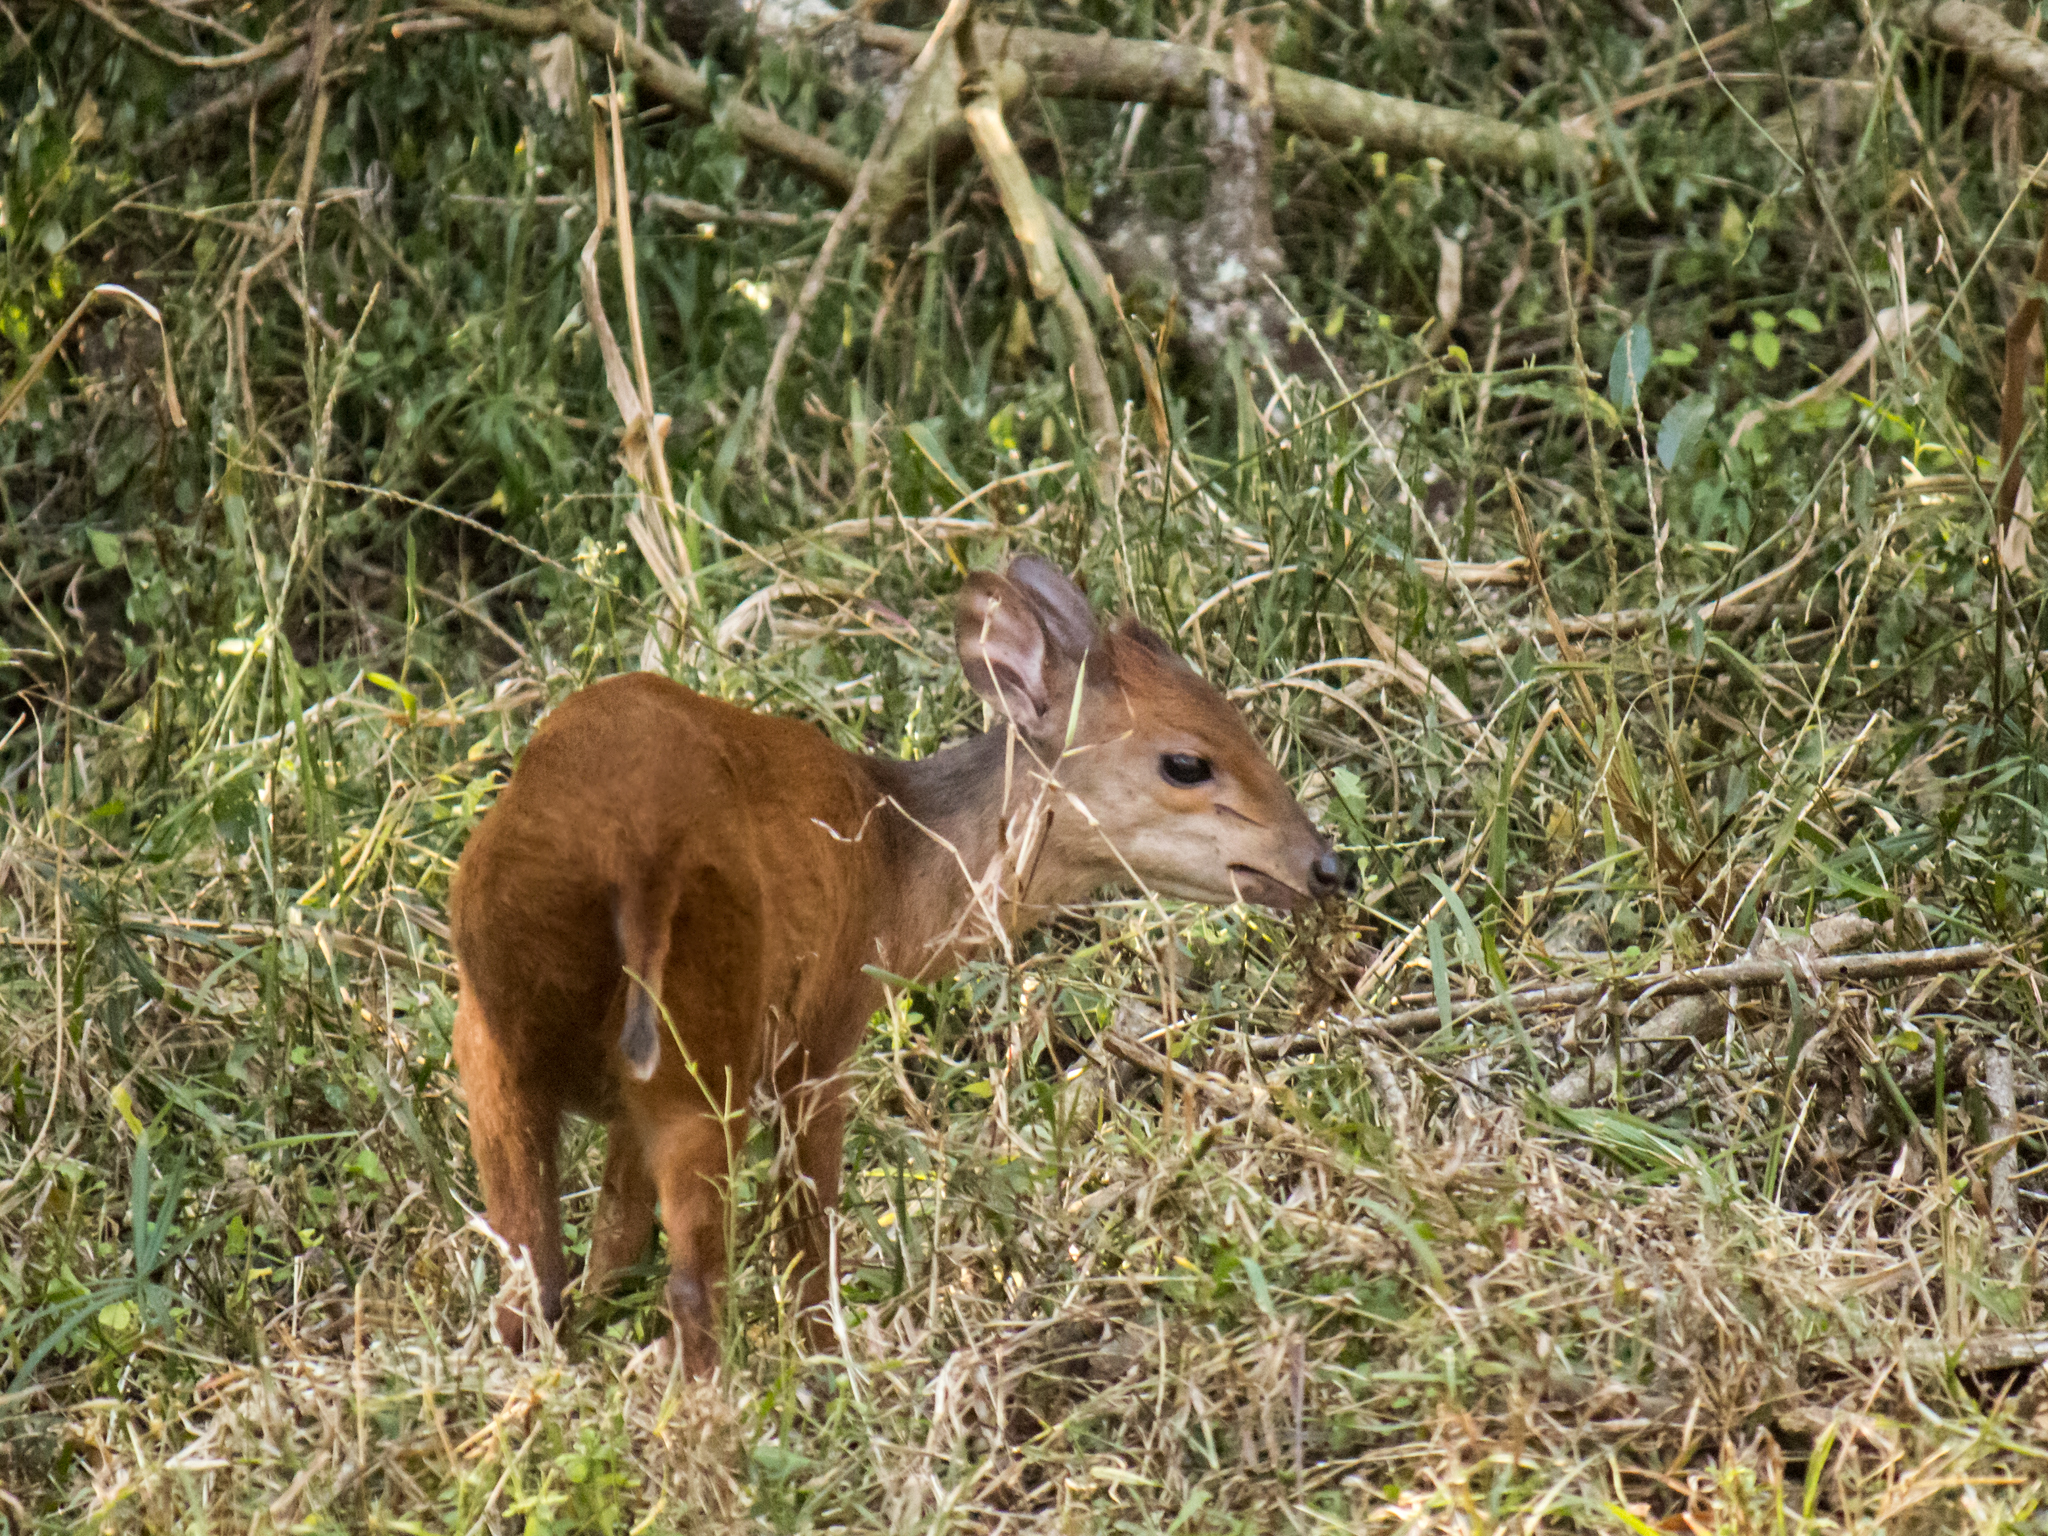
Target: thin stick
x: 323, y: 34
x: 253, y: 54
x: 1049, y: 280
x: 642, y: 444
x: 2011, y: 417
x: 1999, y: 1093
x: 1620, y: 624
x: 1643, y: 986
x: 42, y: 359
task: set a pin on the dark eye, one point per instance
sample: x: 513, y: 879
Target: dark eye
x: 1185, y: 768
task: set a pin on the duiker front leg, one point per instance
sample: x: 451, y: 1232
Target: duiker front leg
x: 515, y: 1129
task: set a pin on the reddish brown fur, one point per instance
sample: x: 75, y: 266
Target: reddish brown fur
x: 748, y: 871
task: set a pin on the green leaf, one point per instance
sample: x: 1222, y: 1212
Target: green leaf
x: 1625, y: 369
x: 1764, y: 346
x: 106, y: 548
x: 1255, y: 1277
x: 1684, y: 424
x: 1805, y: 319
x: 117, y: 1317
x: 1439, y: 971
x: 407, y: 699
x: 926, y: 442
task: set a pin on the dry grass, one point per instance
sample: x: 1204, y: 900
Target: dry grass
x: 1175, y: 1220
x: 1395, y: 1287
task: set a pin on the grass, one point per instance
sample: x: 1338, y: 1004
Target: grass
x: 268, y: 667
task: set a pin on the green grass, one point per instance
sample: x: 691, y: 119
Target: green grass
x: 268, y: 668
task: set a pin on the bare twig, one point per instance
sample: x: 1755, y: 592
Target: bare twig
x: 316, y: 64
x: 2011, y: 406
x: 272, y: 82
x: 1722, y: 612
x: 2001, y: 1137
x: 41, y: 360
x: 655, y: 521
x: 1640, y: 987
x: 1891, y: 324
x: 1233, y: 1098
x: 706, y: 213
x: 253, y: 54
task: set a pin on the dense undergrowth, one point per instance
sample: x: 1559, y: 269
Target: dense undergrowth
x: 270, y: 646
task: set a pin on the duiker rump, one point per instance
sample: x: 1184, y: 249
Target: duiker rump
x: 675, y: 899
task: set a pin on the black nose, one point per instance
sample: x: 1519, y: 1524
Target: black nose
x: 1331, y: 874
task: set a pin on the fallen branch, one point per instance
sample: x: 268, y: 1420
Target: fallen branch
x: 1632, y: 990
x: 1106, y: 68
x: 2003, y: 49
x: 669, y: 80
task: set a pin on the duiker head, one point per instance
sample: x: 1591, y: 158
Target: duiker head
x: 1179, y: 798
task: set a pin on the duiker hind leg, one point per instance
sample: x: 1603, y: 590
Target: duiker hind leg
x: 625, y: 1208
x: 515, y: 1127
x: 814, y: 1115
x: 691, y: 1151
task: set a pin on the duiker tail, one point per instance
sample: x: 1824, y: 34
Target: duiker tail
x: 644, y: 914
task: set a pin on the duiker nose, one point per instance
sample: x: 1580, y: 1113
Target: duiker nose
x: 1331, y: 874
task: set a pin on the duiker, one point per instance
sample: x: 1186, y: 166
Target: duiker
x: 674, y: 900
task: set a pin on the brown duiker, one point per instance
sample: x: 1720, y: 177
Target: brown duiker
x: 675, y: 900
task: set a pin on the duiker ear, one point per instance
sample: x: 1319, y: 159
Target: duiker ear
x: 1003, y: 651
x: 1063, y: 610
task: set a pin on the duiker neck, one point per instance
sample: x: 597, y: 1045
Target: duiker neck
x: 960, y: 844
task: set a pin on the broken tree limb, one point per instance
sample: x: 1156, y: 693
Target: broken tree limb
x: 2003, y: 49
x: 1106, y: 68
x: 671, y: 81
x: 1635, y: 989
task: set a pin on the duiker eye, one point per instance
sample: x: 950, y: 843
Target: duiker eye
x: 1185, y: 768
